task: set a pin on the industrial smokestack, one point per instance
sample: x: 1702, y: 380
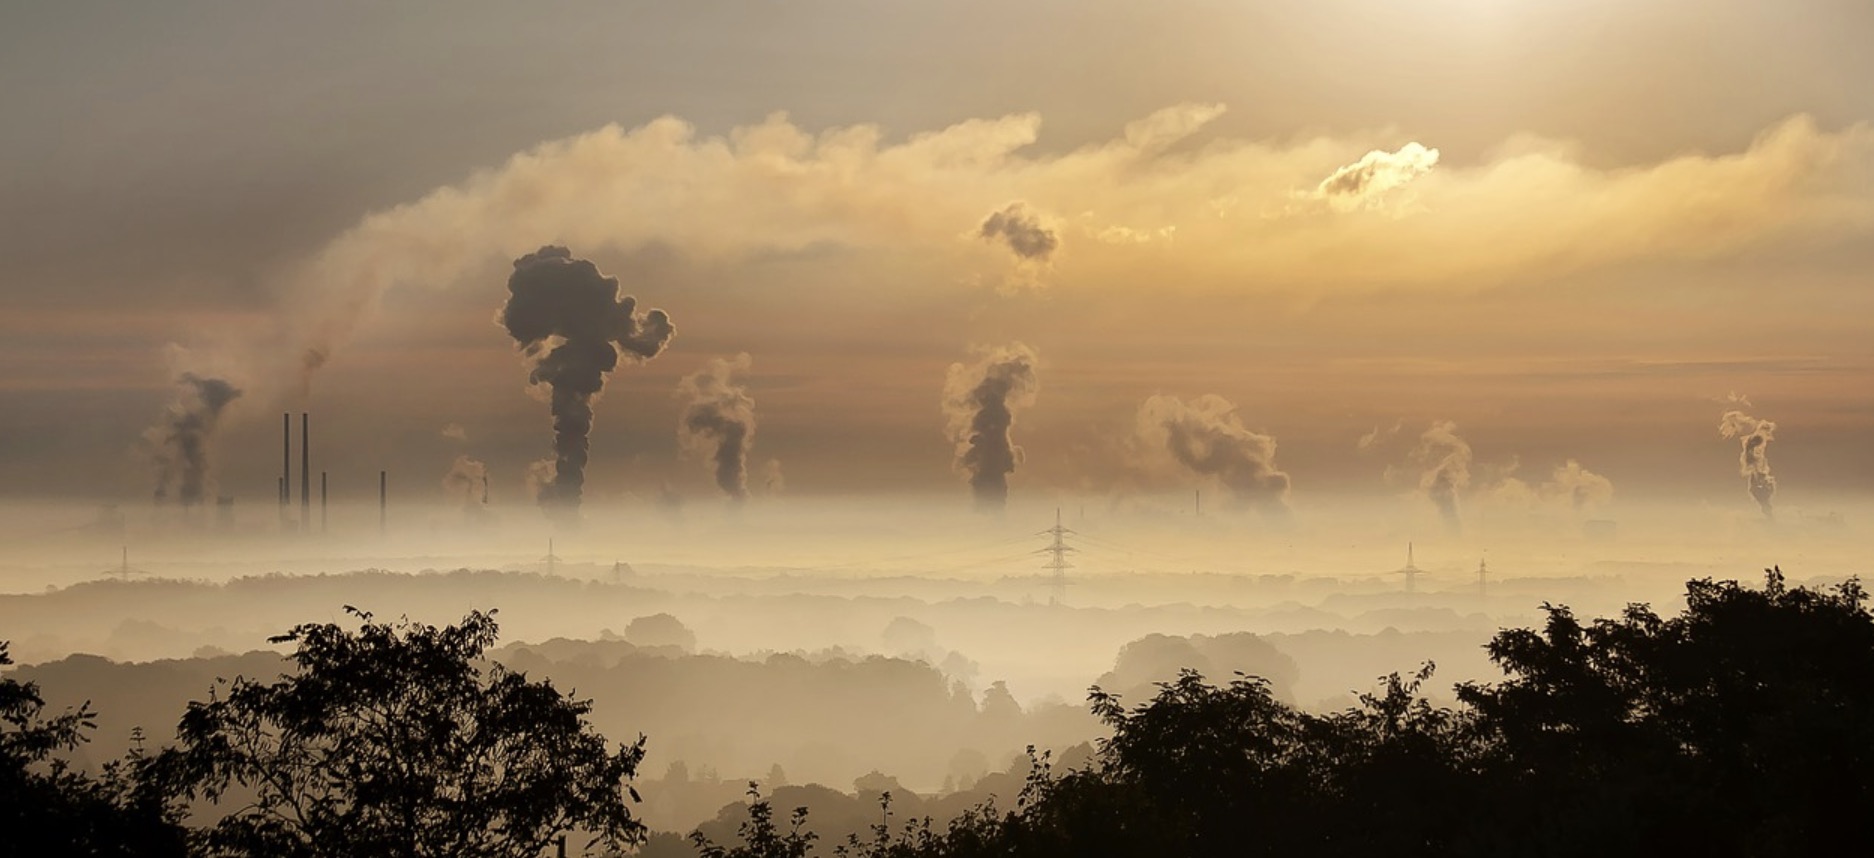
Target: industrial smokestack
x: 1753, y: 459
x: 383, y: 500
x: 570, y: 322
x: 1206, y: 437
x: 322, y: 506
x: 980, y: 399
x: 305, y: 472
x: 286, y: 463
x: 718, y: 423
x: 180, y: 442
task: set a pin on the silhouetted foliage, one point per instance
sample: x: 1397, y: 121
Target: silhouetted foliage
x: 391, y: 741
x: 1742, y: 727
x: 49, y: 808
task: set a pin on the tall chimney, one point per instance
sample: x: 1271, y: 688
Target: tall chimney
x: 322, y: 507
x: 305, y: 472
x: 383, y: 499
x: 286, y: 463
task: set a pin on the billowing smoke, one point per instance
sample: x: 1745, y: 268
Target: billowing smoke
x: 980, y: 400
x: 1444, y: 460
x: 180, y: 442
x: 570, y: 322
x: 1021, y: 229
x: 1753, y: 461
x: 718, y: 422
x: 772, y: 479
x: 1206, y: 437
x: 466, y: 485
x: 1580, y: 486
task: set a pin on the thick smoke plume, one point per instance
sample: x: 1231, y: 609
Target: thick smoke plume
x: 1021, y: 229
x: 569, y: 321
x: 718, y: 422
x: 1753, y: 460
x: 1206, y: 437
x: 182, y: 439
x: 980, y: 400
x: 1444, y: 460
x: 466, y: 485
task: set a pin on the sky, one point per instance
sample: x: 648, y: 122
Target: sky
x: 1287, y: 251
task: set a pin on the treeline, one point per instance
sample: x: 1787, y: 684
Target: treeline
x: 1742, y: 726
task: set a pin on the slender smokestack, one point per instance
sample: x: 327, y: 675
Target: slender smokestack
x: 322, y: 506
x: 383, y: 499
x: 305, y: 471
x: 286, y: 462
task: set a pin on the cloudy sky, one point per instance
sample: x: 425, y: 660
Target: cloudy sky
x: 1283, y: 248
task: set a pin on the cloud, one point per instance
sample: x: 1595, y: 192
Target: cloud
x: 1533, y: 211
x: 1363, y: 183
x: 455, y: 432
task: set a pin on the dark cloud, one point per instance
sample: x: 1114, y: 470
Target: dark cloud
x: 718, y: 422
x: 1753, y: 459
x: 1206, y: 437
x: 1022, y: 231
x: 980, y: 399
x: 570, y: 322
x: 181, y: 441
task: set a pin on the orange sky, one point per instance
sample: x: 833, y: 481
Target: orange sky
x: 1570, y: 227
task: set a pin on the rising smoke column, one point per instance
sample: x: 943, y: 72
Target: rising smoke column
x: 1021, y: 230
x: 1445, y: 468
x: 718, y: 422
x: 1753, y: 461
x: 466, y: 486
x: 569, y: 321
x: 1206, y: 437
x: 180, y: 441
x: 980, y: 400
x: 1579, y: 485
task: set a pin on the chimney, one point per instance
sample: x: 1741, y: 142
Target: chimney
x: 322, y: 506
x: 286, y: 463
x: 383, y: 499
x: 305, y: 472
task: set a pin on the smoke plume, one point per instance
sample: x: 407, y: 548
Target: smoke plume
x: 718, y: 423
x: 1753, y: 460
x: 180, y: 442
x: 570, y: 323
x: 466, y: 485
x: 1206, y: 437
x: 980, y: 400
x: 1022, y: 231
x: 1579, y: 485
x: 1444, y: 460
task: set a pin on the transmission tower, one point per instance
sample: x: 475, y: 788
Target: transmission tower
x: 1057, y: 552
x: 1483, y: 571
x: 1411, y: 571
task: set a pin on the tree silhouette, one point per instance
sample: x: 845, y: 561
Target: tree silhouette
x: 391, y: 741
x: 49, y: 808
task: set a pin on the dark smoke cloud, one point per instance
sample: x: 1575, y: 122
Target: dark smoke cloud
x: 1753, y: 460
x: 181, y: 441
x: 980, y: 399
x: 1022, y: 231
x: 718, y: 422
x: 1206, y: 437
x: 569, y: 320
x: 1445, y: 463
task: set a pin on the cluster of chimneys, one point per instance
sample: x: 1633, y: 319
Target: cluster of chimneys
x: 304, y: 522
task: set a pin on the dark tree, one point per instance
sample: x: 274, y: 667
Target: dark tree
x: 49, y: 808
x: 391, y: 740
